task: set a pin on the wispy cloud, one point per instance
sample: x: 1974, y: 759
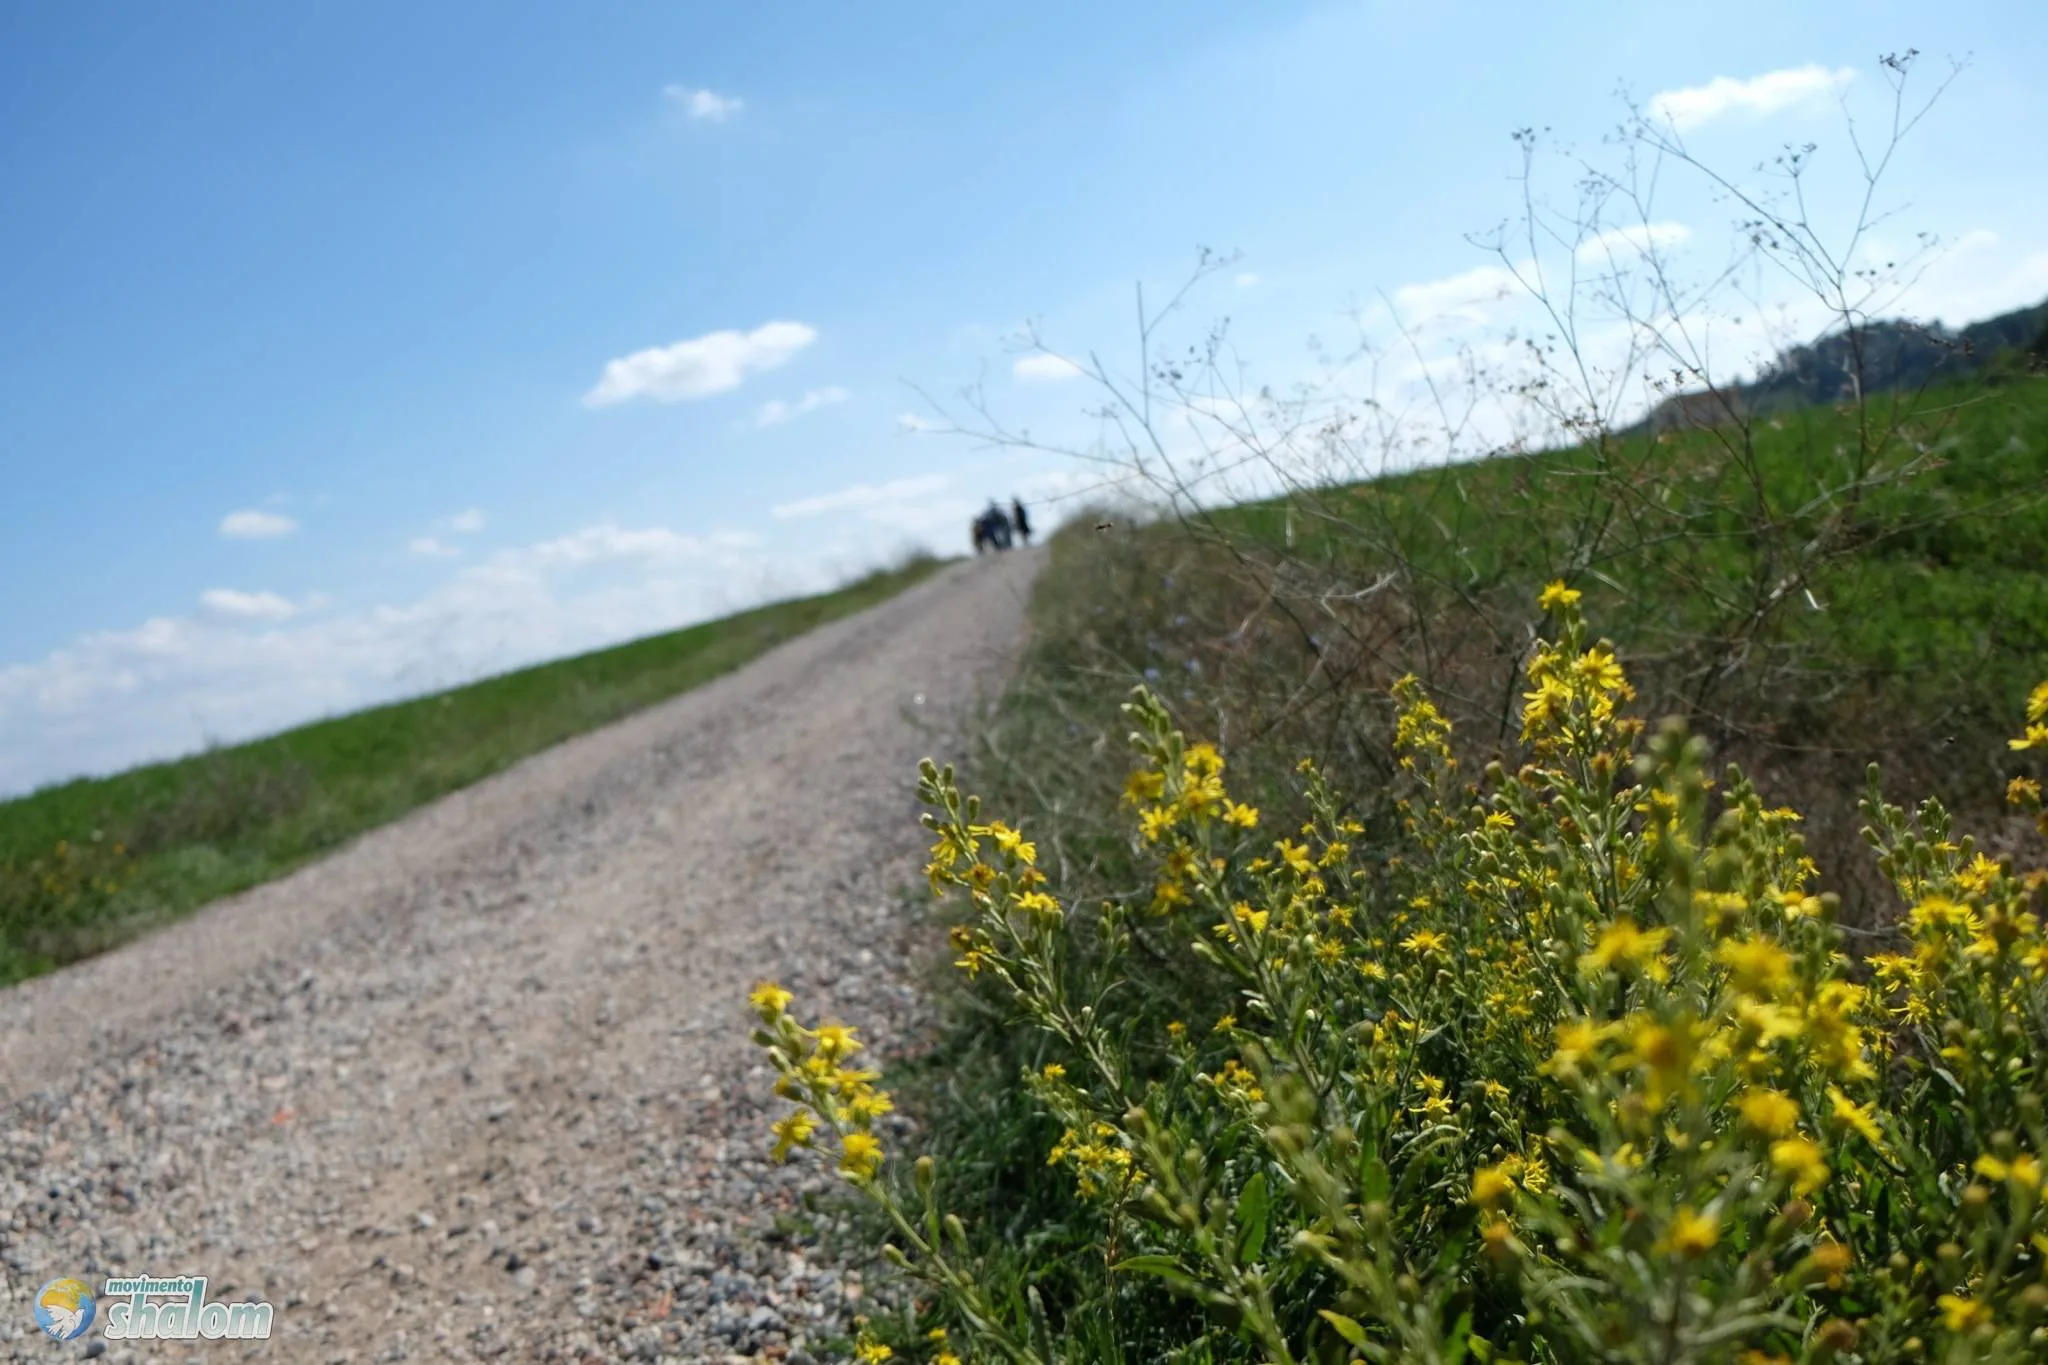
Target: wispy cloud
x: 700, y: 367
x: 1044, y: 365
x: 245, y: 663
x: 1637, y: 239
x: 864, y: 497
x: 608, y: 541
x: 705, y: 106
x: 247, y: 606
x: 253, y: 524
x: 916, y: 423
x: 1246, y: 280
x: 775, y: 411
x: 1467, y: 296
x: 427, y: 547
x: 467, y: 522
x: 1695, y: 105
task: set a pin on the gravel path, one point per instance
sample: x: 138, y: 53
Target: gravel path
x: 479, y: 1085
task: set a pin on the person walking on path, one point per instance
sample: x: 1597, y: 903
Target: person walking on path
x: 1020, y: 521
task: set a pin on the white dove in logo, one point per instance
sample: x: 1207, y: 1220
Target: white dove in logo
x: 63, y: 1323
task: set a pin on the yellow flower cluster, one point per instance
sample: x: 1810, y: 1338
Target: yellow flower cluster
x: 1576, y: 1063
x: 812, y: 1070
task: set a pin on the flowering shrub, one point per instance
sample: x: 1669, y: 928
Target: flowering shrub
x: 1575, y: 1073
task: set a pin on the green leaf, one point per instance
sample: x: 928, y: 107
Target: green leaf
x: 1375, y: 1181
x: 1460, y: 1339
x: 1168, y: 1269
x: 1253, y: 1216
x: 1347, y: 1328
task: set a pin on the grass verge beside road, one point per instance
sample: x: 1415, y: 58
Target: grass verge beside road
x: 95, y: 862
x: 1925, y: 636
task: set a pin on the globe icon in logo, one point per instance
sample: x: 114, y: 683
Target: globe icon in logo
x: 64, y: 1309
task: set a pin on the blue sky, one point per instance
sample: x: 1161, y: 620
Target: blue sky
x: 355, y: 349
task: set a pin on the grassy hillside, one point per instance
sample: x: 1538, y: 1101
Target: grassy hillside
x: 1807, y: 616
x: 93, y: 862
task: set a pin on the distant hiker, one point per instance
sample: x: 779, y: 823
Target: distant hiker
x: 991, y: 530
x: 1020, y: 521
x: 997, y: 524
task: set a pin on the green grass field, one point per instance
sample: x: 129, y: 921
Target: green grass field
x: 91, y: 863
x: 1931, y: 627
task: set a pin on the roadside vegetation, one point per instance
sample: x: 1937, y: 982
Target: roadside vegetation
x: 92, y: 863
x: 1488, y: 933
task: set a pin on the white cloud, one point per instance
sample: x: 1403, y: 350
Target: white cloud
x: 703, y: 105
x: 1045, y: 365
x: 594, y: 544
x: 249, y: 663
x: 1246, y: 280
x: 1694, y: 105
x: 1636, y: 239
x: 427, y: 547
x: 252, y: 524
x: 914, y: 422
x: 698, y: 368
x: 1976, y: 277
x: 775, y: 411
x: 467, y: 522
x: 1466, y: 297
x: 247, y: 606
x: 865, y: 498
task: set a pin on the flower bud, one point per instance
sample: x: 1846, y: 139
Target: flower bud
x: 1835, y: 1336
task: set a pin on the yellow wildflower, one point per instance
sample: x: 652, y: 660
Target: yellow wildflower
x: 1142, y: 786
x: 1154, y: 821
x: 836, y: 1041
x: 1801, y: 1160
x: 2023, y: 1170
x: 1602, y: 670
x: 1491, y: 1186
x: 1939, y: 912
x: 1621, y: 944
x: 1425, y: 942
x: 860, y: 1155
x: 1856, y: 1116
x: 1962, y: 1315
x: 770, y: 999
x: 1757, y: 966
x: 1770, y: 1113
x: 1557, y: 595
x: 1576, y: 1042
x: 1295, y: 856
x: 792, y: 1130
x: 1691, y: 1234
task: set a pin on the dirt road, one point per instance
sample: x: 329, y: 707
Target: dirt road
x: 478, y: 1086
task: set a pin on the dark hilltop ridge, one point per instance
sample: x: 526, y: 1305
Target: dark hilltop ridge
x: 1890, y: 354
